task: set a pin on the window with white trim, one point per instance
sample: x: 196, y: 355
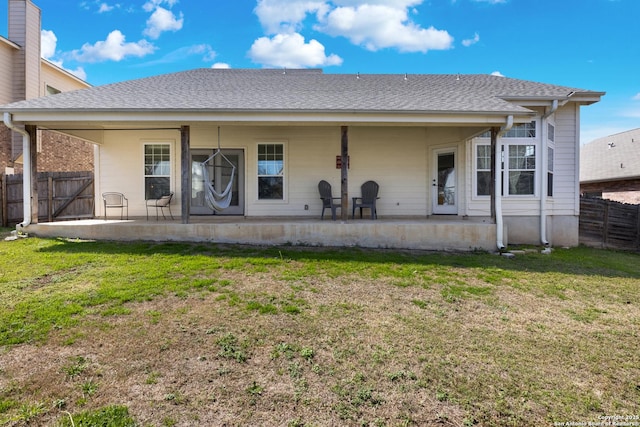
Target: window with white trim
x: 522, y: 169
x: 550, y: 172
x: 518, y: 160
x: 551, y: 136
x: 271, y: 171
x: 157, y: 170
x: 521, y: 130
x: 483, y: 170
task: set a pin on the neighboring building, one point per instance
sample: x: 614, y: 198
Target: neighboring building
x: 25, y: 75
x: 430, y: 141
x: 610, y: 167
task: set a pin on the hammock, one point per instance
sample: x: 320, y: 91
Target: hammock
x: 216, y: 200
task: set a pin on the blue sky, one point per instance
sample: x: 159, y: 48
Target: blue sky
x: 588, y: 44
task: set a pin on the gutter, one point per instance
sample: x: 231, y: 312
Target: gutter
x: 543, y: 173
x: 498, y: 184
x: 26, y: 177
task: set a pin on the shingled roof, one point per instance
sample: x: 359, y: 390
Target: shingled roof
x: 612, y: 158
x: 261, y: 90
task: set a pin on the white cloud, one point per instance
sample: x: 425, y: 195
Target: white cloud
x: 379, y: 26
x: 162, y: 20
x: 114, y: 48
x: 374, y: 24
x: 104, y: 7
x: 469, y: 42
x: 221, y: 65
x: 491, y: 1
x: 153, y: 4
x: 48, y: 42
x: 291, y: 51
x: 203, y: 50
x: 637, y: 97
x: 497, y: 73
x: 285, y: 16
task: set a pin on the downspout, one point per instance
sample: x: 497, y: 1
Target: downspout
x: 543, y: 173
x: 26, y: 176
x: 498, y: 183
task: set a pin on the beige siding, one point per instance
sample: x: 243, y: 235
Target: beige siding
x: 121, y: 166
x: 398, y: 158
x: 7, y: 52
x: 566, y: 185
x: 58, y: 79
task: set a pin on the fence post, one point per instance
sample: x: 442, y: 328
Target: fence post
x: 4, y: 206
x: 50, y: 197
x: 638, y: 228
x: 605, y: 225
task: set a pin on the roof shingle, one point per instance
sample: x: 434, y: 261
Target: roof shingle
x: 303, y: 90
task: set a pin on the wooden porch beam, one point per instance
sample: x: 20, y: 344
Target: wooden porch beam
x: 185, y: 172
x: 344, y: 173
x: 33, y: 140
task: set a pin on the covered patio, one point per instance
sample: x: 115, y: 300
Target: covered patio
x: 432, y: 233
x: 459, y: 159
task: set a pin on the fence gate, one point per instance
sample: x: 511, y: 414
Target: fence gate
x: 61, y: 196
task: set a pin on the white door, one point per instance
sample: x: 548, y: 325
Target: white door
x: 444, y: 184
x: 220, y: 174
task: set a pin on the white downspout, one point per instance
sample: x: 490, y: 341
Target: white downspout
x: 26, y: 165
x: 543, y: 174
x: 498, y: 184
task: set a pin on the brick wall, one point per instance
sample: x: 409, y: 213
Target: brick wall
x: 59, y: 153
x: 625, y: 191
x: 5, y: 148
x: 62, y: 153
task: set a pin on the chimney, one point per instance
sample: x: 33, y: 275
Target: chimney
x: 24, y: 30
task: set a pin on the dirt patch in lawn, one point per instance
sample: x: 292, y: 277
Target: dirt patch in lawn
x: 267, y: 345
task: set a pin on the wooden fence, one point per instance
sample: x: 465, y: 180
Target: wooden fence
x: 608, y: 224
x: 61, y: 196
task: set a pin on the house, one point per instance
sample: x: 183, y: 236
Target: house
x: 610, y: 167
x: 24, y: 74
x: 462, y: 154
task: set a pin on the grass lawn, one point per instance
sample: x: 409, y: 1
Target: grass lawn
x: 147, y: 334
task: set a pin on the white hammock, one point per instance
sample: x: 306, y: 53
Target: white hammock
x: 217, y: 201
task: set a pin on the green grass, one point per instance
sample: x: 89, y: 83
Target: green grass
x: 314, y: 336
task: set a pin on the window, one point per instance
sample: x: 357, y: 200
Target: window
x: 483, y: 170
x: 52, y: 90
x: 522, y: 169
x: 522, y: 130
x: 270, y: 171
x: 518, y: 160
x: 550, y: 172
x: 157, y: 170
x: 551, y: 132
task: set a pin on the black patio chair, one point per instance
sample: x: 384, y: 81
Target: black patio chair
x: 327, y: 199
x: 368, y: 199
x: 115, y: 200
x: 161, y: 203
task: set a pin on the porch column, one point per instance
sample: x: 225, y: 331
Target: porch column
x: 33, y: 153
x: 185, y: 168
x: 344, y: 174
